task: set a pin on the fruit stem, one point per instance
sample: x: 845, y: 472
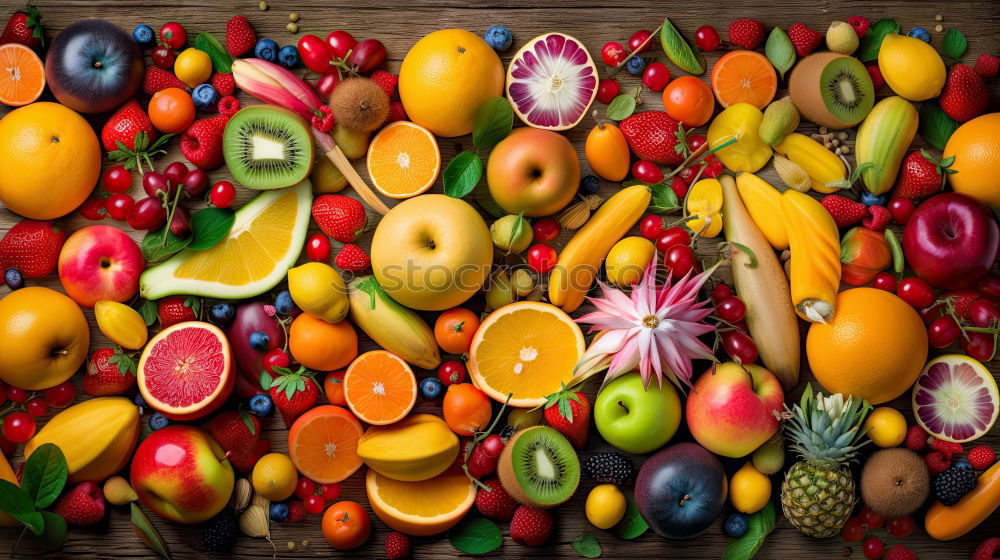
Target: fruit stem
x: 479, y: 437
x: 170, y: 215
x: 621, y: 404
x: 616, y: 69
x: 600, y: 123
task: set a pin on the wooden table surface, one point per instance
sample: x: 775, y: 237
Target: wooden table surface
x: 399, y: 27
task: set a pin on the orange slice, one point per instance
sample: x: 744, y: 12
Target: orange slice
x: 22, y: 75
x: 323, y: 444
x: 380, y: 387
x: 423, y: 508
x: 744, y: 77
x: 403, y: 160
x: 527, y: 349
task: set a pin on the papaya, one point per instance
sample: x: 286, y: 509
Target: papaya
x: 418, y: 447
x: 946, y: 523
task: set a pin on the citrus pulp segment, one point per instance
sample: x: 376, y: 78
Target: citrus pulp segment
x: 744, y: 77
x: 421, y: 508
x: 323, y: 444
x: 403, y: 160
x: 22, y: 76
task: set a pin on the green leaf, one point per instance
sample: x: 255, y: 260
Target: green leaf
x: 679, y: 51
x: 476, y: 536
x: 954, y: 45
x: 664, y: 199
x: 14, y: 500
x: 780, y: 51
x: 45, y: 474
x: 935, y: 127
x: 621, y: 107
x: 221, y: 60
x: 586, y: 544
x: 760, y: 525
x: 748, y: 252
x: 147, y: 533
x: 462, y: 174
x: 53, y: 534
x: 632, y: 525
x: 494, y: 121
x: 148, y: 311
x: 33, y: 520
x: 481, y: 195
x: 209, y: 227
x: 517, y: 229
x: 154, y: 249
x: 872, y: 41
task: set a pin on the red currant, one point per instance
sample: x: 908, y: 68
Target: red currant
x: 873, y: 548
x: 318, y: 247
x: 541, y: 258
x: 451, y: 372
x: 223, y: 194
x: 60, y: 396
x: 706, y: 38
x: 546, y: 230
x: 93, y: 208
x: 330, y: 492
x: 679, y: 187
x: 36, y: 407
x: 731, y: 309
x: 18, y: 427
x: 901, y: 208
x: 696, y: 141
x: 118, y: 206
x: 275, y: 358
x: 195, y: 183
x: 640, y: 41
x: 147, y: 214
x: 852, y: 531
x: 116, y: 179
x: 989, y: 286
x: 720, y: 292
x: 340, y: 43
x: 739, y: 346
x: 680, y: 260
x: 175, y: 173
x: 689, y: 173
x: 915, y: 291
x: 979, y: 346
x: 305, y: 488
x: 943, y: 332
x: 900, y: 526
x: 656, y: 76
x: 314, y: 504
x: 17, y: 395
x: 173, y: 35
x: 607, y: 89
x: 651, y: 226
x: 613, y: 53
x: 884, y: 281
x: 713, y: 169
x: 675, y: 235
x: 647, y: 171
x: 984, y: 312
x: 870, y: 519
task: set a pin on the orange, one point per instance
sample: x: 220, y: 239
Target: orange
x: 403, y: 160
x: 333, y: 388
x: 380, y: 387
x: 171, y: 110
x: 454, y: 330
x: 976, y: 149
x: 744, y: 77
x: 22, y: 76
x: 689, y: 100
x: 322, y: 346
x: 323, y: 444
x: 50, y: 158
x: 466, y: 409
x: 346, y: 525
x: 527, y: 349
x: 446, y: 77
x: 423, y: 508
x: 874, y: 347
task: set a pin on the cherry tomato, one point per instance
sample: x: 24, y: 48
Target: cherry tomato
x: 60, y: 396
x: 451, y: 372
x: 873, y: 548
x: 340, y: 43
x: 346, y: 525
x: 607, y: 89
x: 147, y: 214
x: 318, y: 247
x: 18, y: 427
x: 314, y: 504
x: 36, y: 407
x: 454, y: 330
x: 612, y: 53
x: 329, y: 80
x: 884, y: 281
x: 852, y: 531
x: 713, y: 169
x: 720, y: 292
x: 901, y: 209
x: 979, y: 346
x: 674, y: 235
x: 900, y: 526
x: 656, y: 76
x: 173, y: 35
x: 366, y: 55
x: 739, y: 346
x: 680, y: 260
x: 546, y: 229
x: 870, y: 518
x: 118, y: 206
x: 93, y: 208
x: 984, y: 312
x: 222, y: 195
x: 305, y: 488
x: 541, y: 258
x: 647, y: 171
x: 175, y: 173
x: 689, y: 173
x: 275, y: 358
x: 314, y: 53
x: 651, y: 226
x: 171, y: 110
x: 164, y: 57
x: 466, y: 409
x: 329, y: 492
x: 116, y: 179
x: 689, y: 100
x: 333, y: 386
x: 731, y: 309
x: 17, y: 395
x: 915, y: 291
x: 640, y: 41
x: 943, y: 332
x: 989, y: 286
x: 679, y: 187
x: 706, y: 38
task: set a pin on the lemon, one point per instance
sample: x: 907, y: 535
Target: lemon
x: 319, y: 290
x: 886, y: 427
x: 274, y: 477
x: 193, y: 67
x: 605, y: 506
x: 627, y: 260
x: 122, y: 324
x: 749, y: 489
x: 911, y: 67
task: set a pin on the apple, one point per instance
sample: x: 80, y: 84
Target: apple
x: 637, y: 419
x: 432, y: 252
x: 93, y: 66
x: 533, y: 171
x: 100, y: 262
x: 951, y: 241
x: 681, y: 490
x: 182, y: 474
x: 731, y: 411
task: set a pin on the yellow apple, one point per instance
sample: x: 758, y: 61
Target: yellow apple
x: 533, y: 171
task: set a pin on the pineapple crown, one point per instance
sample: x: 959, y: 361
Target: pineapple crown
x: 827, y: 429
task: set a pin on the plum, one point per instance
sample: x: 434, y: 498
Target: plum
x: 681, y: 490
x: 93, y: 66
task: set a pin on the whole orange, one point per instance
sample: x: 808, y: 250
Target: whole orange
x: 50, y: 160
x: 322, y: 346
x: 454, y: 330
x: 874, y: 347
x: 171, y: 110
x: 976, y: 148
x: 346, y: 525
x: 689, y: 100
x: 466, y: 409
x: 333, y: 387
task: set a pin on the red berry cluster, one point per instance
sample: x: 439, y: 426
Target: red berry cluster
x: 314, y: 498
x: 24, y: 406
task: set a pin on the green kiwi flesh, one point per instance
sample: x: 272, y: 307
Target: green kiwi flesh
x: 539, y: 467
x: 267, y: 147
x: 831, y: 90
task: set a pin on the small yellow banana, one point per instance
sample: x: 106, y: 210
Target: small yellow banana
x: 815, y: 245
x: 763, y: 202
x: 822, y: 165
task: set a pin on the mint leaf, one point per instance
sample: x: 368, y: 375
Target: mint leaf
x: 587, y: 545
x: 45, y: 474
x: 954, y: 44
x: 462, y: 174
x: 14, y: 500
x: 872, y: 41
x: 154, y: 249
x: 760, y: 526
x: 664, y: 199
x: 621, y: 107
x: 53, y: 534
x: 935, y: 127
x: 148, y: 310
x: 476, y: 536
x: 209, y: 227
x: 493, y: 122
x: 208, y: 44
x: 632, y: 524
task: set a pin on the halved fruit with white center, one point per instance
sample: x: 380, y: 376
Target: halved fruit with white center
x: 526, y: 349
x: 955, y: 398
x: 264, y: 241
x: 186, y: 371
x: 422, y: 508
x: 551, y: 82
x: 403, y: 160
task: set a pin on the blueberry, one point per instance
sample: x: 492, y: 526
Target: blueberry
x: 222, y: 314
x: 283, y: 303
x: 431, y: 387
x: 137, y: 400
x: 158, y: 421
x: 920, y: 33
x: 869, y: 199
x: 261, y: 405
x: 259, y: 340
x: 499, y: 38
x: 735, y: 526
x: 205, y: 96
x: 143, y: 34
x: 266, y: 49
x: 963, y: 463
x: 289, y: 55
x: 635, y: 65
x: 13, y: 278
x: 279, y: 512
x: 590, y: 184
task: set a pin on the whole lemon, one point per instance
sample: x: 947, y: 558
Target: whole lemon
x: 319, y: 290
x: 976, y: 148
x: 605, y: 506
x: 193, y: 67
x: 274, y: 477
x: 628, y: 259
x: 886, y: 427
x: 749, y: 489
x: 122, y: 324
x: 911, y: 67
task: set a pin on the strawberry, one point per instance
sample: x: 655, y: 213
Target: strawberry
x: 981, y: 457
x: 964, y: 96
x: 223, y: 83
x: 860, y: 25
x: 922, y: 174
x: 386, y: 81
x: 987, y: 66
x: 123, y: 126
x: 879, y: 218
x: 246, y: 462
x: 962, y: 300
x: 899, y: 552
x: 916, y: 438
x: 396, y: 113
x: 157, y: 79
x: 845, y: 211
x: 32, y: 247
x: 986, y: 549
x: 24, y: 27
x: 804, y: 39
x: 82, y: 505
x: 240, y: 36
x: 746, y: 33
x: 293, y: 392
x: 352, y: 258
x: 110, y: 371
x: 237, y: 432
x: 530, y: 526
x: 569, y: 413
x: 397, y: 546
x: 655, y: 137
x: 177, y: 309
x: 340, y: 217
x: 875, y: 73
x: 495, y: 502
x: 201, y: 143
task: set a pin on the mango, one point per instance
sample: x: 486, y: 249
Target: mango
x: 418, y: 447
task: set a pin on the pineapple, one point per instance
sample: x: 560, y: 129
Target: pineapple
x: 817, y: 495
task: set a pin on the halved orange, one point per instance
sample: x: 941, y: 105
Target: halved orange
x: 527, y: 349
x: 744, y: 77
x: 423, y: 508
x: 403, y: 160
x: 22, y: 75
x: 323, y: 444
x: 380, y: 387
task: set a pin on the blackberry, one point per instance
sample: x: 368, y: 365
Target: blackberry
x: 611, y: 468
x: 590, y: 184
x: 220, y: 531
x: 952, y: 484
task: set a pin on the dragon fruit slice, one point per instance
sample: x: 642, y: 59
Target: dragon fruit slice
x: 551, y: 82
x: 955, y: 398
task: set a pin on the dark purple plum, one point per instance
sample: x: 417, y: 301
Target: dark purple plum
x: 93, y: 66
x: 681, y: 490
x: 252, y: 317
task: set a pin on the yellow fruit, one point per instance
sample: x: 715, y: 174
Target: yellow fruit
x: 319, y: 290
x: 7, y: 473
x: 607, y: 152
x: 122, y: 324
x: 822, y: 165
x: 605, y: 506
x: 763, y: 203
x: 815, y: 244
x: 628, y: 259
x: 742, y: 122
x: 911, y: 67
x: 274, y: 477
x: 391, y: 449
x: 421, y: 508
x: 976, y: 149
x: 325, y: 177
x: 446, y: 77
x: 392, y: 326
x: 886, y: 427
x: 118, y: 491
x: 96, y: 436
x: 749, y: 489
x: 882, y: 141
x: 874, y: 347
x: 704, y: 201
x: 193, y: 67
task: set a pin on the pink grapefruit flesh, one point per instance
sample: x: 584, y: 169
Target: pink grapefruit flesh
x: 551, y: 82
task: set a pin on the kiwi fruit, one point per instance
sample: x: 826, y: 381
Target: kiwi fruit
x: 359, y: 104
x: 268, y: 147
x: 325, y: 177
x: 894, y: 482
x: 832, y: 90
x: 353, y: 143
x: 539, y: 467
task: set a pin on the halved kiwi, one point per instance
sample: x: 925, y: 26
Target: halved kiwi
x: 832, y: 90
x: 267, y: 147
x: 539, y: 467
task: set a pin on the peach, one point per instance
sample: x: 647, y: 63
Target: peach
x: 100, y: 262
x: 533, y: 171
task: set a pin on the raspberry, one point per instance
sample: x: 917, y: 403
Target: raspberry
x: 936, y: 462
x: 860, y: 25
x: 746, y: 33
x: 987, y: 65
x: 899, y: 552
x: 986, y: 549
x: 946, y: 447
x: 880, y: 218
x: 981, y: 457
x: 916, y: 438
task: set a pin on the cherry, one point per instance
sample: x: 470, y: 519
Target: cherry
x: 651, y: 226
x: 18, y: 427
x: 305, y: 488
x: 928, y: 314
x: 493, y: 445
x: 695, y: 141
x: 154, y: 183
x: 612, y: 53
x: 223, y: 194
x: 873, y: 548
x: 275, y: 358
x: 915, y: 291
x: 720, y: 292
x: 679, y: 187
x: 327, y: 82
x: 340, y: 42
x: 901, y: 208
x: 672, y: 236
x: 943, y: 332
x: 116, y: 179
x: 739, y: 346
x: 656, y: 76
x: 366, y: 55
x: 318, y: 247
x: 989, y: 286
x: 731, y: 309
x: 451, y: 372
x: 175, y: 173
x: 900, y: 526
x: 164, y: 57
x: 884, y: 281
x: 60, y: 396
x: 546, y: 230
x: 180, y: 222
x: 870, y: 519
x: 147, y: 214
x: 314, y: 504
x: 3, y: 392
x: 979, y: 346
x: 680, y: 260
x: 852, y: 531
x: 541, y: 258
x: 607, y: 89
x: 713, y: 169
x: 647, y: 171
x: 689, y: 173
x: 315, y: 53
x: 36, y: 407
x: 329, y: 491
x: 706, y: 38
x: 173, y: 35
x: 17, y: 395
x: 93, y: 208
x: 640, y: 41
x: 195, y: 183
x: 118, y: 206
x: 984, y: 312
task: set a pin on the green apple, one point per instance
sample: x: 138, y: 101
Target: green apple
x: 635, y: 419
x: 511, y: 233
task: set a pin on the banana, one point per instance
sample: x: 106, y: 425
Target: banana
x: 822, y: 165
x: 882, y: 141
x: 580, y: 260
x: 763, y: 202
x: 392, y: 326
x: 815, y: 246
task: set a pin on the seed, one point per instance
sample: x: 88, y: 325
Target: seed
x: 291, y: 545
x: 844, y: 150
x: 842, y: 135
x: 823, y: 130
x: 938, y: 17
x: 241, y: 495
x: 292, y: 27
x: 938, y: 28
x: 262, y: 6
x: 293, y: 17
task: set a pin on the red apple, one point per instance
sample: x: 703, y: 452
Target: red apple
x: 951, y: 241
x: 100, y: 262
x: 731, y: 411
x: 533, y: 171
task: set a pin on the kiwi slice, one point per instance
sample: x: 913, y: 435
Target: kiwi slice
x: 832, y: 90
x: 539, y: 467
x: 267, y: 147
